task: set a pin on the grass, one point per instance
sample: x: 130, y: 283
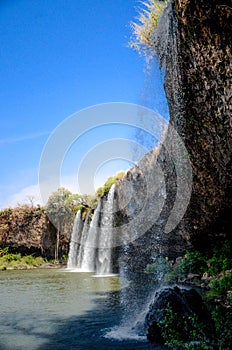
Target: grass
x: 10, y: 261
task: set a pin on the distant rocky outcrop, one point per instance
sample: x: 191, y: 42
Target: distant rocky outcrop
x: 27, y: 230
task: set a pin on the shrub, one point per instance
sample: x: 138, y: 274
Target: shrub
x: 102, y: 191
x: 221, y: 259
x: 184, y: 332
x: 4, y: 251
x: 223, y: 323
x: 16, y: 261
x: 222, y: 285
x: 11, y: 257
x: 193, y: 262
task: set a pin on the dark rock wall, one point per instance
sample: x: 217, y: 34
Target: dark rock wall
x: 199, y: 88
x: 145, y: 199
x: 205, y: 66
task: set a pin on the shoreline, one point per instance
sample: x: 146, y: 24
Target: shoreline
x: 31, y: 267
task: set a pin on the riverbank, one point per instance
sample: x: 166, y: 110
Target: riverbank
x: 31, y: 267
x: 10, y: 261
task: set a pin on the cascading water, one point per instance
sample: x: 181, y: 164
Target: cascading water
x: 83, y: 240
x: 104, y: 254
x: 88, y: 262
x: 91, y: 241
x: 141, y: 287
x: 75, y: 241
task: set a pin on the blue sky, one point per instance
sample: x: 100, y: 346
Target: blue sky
x: 57, y: 58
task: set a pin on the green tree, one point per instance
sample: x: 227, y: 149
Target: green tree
x: 59, y: 209
x: 102, y: 191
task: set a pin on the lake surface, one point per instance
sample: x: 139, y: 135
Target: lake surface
x: 56, y: 309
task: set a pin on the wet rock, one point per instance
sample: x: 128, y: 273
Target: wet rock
x: 198, y: 88
x: 183, y: 302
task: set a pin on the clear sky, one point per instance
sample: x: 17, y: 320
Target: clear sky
x: 56, y: 58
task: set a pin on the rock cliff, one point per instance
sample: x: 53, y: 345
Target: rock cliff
x: 197, y: 58
x: 205, y: 68
x: 27, y: 230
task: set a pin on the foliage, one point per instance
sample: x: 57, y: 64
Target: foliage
x: 143, y: 31
x: 102, y: 191
x: 17, y: 261
x: 60, y: 211
x: 193, y: 262
x: 186, y: 331
x: 64, y: 259
x: 90, y: 201
x: 4, y: 251
x: 220, y: 287
x: 74, y: 200
x: 213, y: 263
x: 59, y: 206
x: 223, y: 324
x: 221, y: 259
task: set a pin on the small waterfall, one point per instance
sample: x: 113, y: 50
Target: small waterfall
x: 104, y: 256
x: 83, y: 240
x: 75, y: 241
x: 91, y: 241
x: 88, y: 262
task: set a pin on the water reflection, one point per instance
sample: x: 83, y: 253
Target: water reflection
x: 60, y: 310
x: 33, y: 301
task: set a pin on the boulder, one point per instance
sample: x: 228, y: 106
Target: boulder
x: 186, y: 303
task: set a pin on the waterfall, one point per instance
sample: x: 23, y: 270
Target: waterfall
x: 75, y: 241
x: 91, y: 241
x: 83, y: 241
x: 88, y: 262
x: 104, y: 256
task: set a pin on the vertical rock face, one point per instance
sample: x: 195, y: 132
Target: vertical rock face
x: 198, y: 85
x: 205, y: 67
x: 146, y: 198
